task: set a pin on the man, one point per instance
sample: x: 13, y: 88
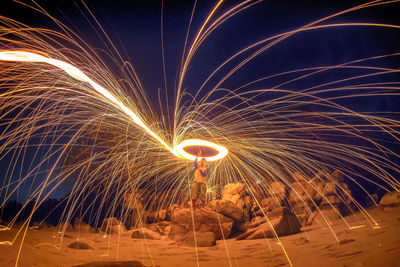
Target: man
x: 199, y: 187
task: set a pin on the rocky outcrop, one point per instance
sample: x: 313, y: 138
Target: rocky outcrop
x: 233, y: 192
x: 277, y: 190
x: 280, y: 222
x: 112, y: 226
x: 239, y: 213
x: 184, y: 223
x: 391, y: 199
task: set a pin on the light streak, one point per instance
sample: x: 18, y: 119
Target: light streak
x: 24, y: 56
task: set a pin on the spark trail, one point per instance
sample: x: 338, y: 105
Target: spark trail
x: 74, y: 72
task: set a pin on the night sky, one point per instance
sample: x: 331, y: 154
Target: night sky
x: 134, y: 26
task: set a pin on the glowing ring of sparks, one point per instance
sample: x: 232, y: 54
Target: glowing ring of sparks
x: 74, y: 72
x: 180, y: 149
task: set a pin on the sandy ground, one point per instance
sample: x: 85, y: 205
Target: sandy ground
x: 363, y: 245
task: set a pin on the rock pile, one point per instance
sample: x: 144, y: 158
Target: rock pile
x: 235, y: 204
x: 283, y: 211
x: 205, y: 224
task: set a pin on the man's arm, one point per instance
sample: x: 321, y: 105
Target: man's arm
x: 195, y: 164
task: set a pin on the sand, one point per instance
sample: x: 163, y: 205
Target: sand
x: 363, y: 245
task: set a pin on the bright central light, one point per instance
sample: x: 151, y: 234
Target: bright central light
x: 179, y: 149
x: 79, y: 75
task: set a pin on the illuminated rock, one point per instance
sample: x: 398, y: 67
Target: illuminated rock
x: 144, y: 233
x: 112, y: 226
x: 328, y: 215
x: 391, y: 199
x: 280, y: 220
x: 79, y: 245
x: 201, y: 220
x: 203, y: 239
x: 233, y: 192
x: 278, y: 191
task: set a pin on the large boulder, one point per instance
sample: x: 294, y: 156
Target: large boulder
x: 240, y: 216
x: 280, y: 221
x: 269, y: 203
x: 145, y: 233
x: 229, y: 209
x: 233, y: 192
x: 327, y: 215
x: 278, y: 191
x: 391, y: 199
x: 112, y: 226
x: 183, y: 221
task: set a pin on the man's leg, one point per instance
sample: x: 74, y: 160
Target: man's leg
x: 203, y: 192
x: 194, y: 194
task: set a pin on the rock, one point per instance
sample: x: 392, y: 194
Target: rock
x: 240, y: 216
x: 81, y: 226
x: 230, y: 210
x: 170, y: 210
x: 330, y: 200
x: 391, y: 199
x: 156, y: 216
x: 256, y: 221
x: 144, y: 233
x: 212, y: 205
x: 112, y: 226
x: 79, y: 245
x: 203, y: 239
x: 269, y: 203
x: 202, y: 220
x: 278, y: 191
x: 233, y: 192
x: 154, y: 227
x: 302, y: 191
x: 329, y: 189
x: 318, y: 185
x: 325, y: 216
x: 282, y: 221
x: 234, y: 189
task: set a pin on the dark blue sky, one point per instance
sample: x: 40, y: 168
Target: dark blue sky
x: 134, y: 26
